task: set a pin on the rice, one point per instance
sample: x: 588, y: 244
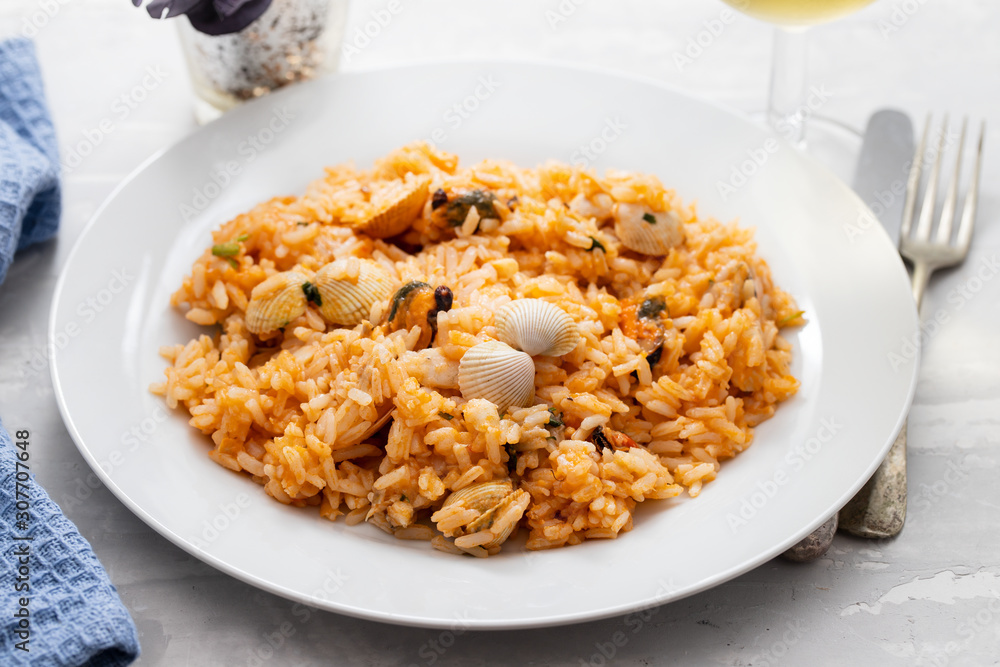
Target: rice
x: 294, y: 408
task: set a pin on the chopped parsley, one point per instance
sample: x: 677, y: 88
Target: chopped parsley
x: 232, y: 262
x: 555, y: 420
x: 649, y: 217
x: 594, y: 243
x: 445, y: 415
x: 226, y: 249
x: 242, y: 237
x: 794, y: 316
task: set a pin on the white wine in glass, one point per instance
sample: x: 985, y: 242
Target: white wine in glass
x: 798, y: 13
x: 786, y: 108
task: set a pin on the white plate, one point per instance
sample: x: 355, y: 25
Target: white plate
x: 111, y: 314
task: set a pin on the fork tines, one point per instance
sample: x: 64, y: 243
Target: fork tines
x: 925, y: 222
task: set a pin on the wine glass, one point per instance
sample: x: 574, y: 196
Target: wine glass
x: 787, y: 108
x: 787, y: 113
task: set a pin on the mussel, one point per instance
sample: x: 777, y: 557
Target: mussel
x: 417, y: 304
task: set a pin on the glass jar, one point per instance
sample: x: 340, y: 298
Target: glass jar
x: 293, y: 40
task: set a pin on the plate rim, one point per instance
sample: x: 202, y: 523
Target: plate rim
x: 403, y: 619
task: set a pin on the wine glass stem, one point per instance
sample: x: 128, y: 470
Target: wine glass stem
x: 786, y: 106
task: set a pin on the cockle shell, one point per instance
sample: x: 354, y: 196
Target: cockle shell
x: 492, y: 499
x: 499, y: 373
x: 537, y: 327
x: 647, y: 232
x: 403, y: 202
x: 348, y: 293
x: 276, y: 302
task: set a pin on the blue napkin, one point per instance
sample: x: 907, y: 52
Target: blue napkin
x: 57, y: 606
x: 29, y: 157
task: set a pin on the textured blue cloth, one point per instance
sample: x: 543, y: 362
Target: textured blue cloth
x: 29, y: 157
x: 73, y: 615
x: 55, y: 598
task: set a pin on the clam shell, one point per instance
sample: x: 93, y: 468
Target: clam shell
x: 482, y: 496
x: 347, y: 300
x: 492, y: 499
x: 402, y: 206
x: 499, y: 373
x: 537, y: 327
x: 276, y: 302
x: 485, y: 522
x: 649, y: 238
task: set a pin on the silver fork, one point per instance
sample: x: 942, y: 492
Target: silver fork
x: 879, y: 508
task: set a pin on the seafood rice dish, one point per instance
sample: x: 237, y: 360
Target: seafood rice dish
x: 459, y: 354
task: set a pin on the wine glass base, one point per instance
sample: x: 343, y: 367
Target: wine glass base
x: 834, y: 144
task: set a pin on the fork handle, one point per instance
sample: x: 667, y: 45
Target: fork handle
x: 921, y: 274
x: 878, y: 510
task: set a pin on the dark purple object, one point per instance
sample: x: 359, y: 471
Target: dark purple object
x: 212, y: 17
